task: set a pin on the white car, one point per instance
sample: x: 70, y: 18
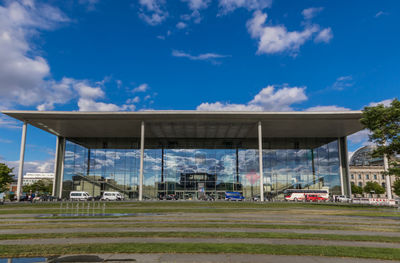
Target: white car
x: 112, y: 196
x: 343, y: 199
x: 79, y: 196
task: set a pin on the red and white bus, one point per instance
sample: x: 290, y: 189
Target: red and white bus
x: 300, y: 194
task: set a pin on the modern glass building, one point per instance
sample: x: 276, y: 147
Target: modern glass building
x: 193, y: 155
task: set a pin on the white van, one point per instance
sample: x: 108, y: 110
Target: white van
x: 112, y: 196
x: 79, y: 196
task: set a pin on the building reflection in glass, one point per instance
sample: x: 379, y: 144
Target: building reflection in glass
x: 195, y: 173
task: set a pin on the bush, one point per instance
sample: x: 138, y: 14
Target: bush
x: 356, y: 189
x: 373, y: 187
x: 396, y: 187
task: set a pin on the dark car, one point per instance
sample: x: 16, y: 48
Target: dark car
x: 171, y: 197
x: 24, y: 198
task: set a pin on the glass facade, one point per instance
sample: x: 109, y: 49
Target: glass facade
x: 191, y: 172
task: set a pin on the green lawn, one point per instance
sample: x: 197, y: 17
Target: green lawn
x: 235, y: 216
x: 199, y: 225
x: 330, y: 251
x: 205, y: 207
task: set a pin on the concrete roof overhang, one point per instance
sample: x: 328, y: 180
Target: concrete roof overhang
x: 192, y: 124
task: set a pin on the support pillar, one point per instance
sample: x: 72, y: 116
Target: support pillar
x: 59, y: 167
x: 260, y: 161
x: 344, y: 167
x: 341, y: 164
x: 21, y: 160
x: 387, y: 177
x: 346, y: 158
x: 55, y: 179
x: 141, y: 161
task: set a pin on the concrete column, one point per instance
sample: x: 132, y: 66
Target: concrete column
x: 21, y: 161
x: 59, y: 167
x: 55, y: 179
x: 260, y: 161
x: 387, y: 177
x: 347, y: 169
x: 141, y: 161
x: 341, y: 164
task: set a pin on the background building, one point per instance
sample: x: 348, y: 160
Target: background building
x: 364, y: 168
x: 30, y: 178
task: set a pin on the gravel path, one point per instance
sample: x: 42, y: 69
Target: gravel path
x: 265, y: 241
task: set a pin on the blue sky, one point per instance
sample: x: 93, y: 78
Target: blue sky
x: 191, y: 54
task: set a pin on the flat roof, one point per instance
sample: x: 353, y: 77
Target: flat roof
x: 192, y: 124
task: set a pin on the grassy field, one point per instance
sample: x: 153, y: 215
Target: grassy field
x: 301, y: 250
x: 34, y: 222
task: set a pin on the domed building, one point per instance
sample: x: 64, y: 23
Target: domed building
x: 365, y: 168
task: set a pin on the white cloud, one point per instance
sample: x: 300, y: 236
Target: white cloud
x: 91, y: 105
x: 90, y: 4
x: 5, y: 141
x: 227, y: 6
x: 141, y: 88
x: 88, y: 92
x: 276, y: 39
x: 327, y: 108
x: 268, y: 99
x: 46, y: 166
x: 22, y: 71
x: 195, y: 16
x: 360, y: 137
x: 181, y: 25
x: 197, y: 4
x: 325, y: 35
x: 9, y: 123
x: 381, y: 13
x: 342, y: 82
x: 220, y: 106
x: 311, y: 12
x: 205, y: 56
x: 67, y: 89
x: 25, y: 77
x: 133, y: 100
x: 87, y: 101
x: 384, y: 102
x: 153, y: 11
x: 85, y: 92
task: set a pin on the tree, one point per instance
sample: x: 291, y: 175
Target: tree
x: 356, y: 189
x: 396, y: 187
x: 42, y: 186
x: 373, y: 187
x: 384, y: 125
x: 6, y: 177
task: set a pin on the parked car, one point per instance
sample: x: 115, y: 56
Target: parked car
x: 112, y: 196
x: 207, y: 198
x: 233, y: 196
x: 24, y: 198
x: 45, y: 198
x: 80, y: 196
x: 313, y: 198
x: 342, y: 198
x: 170, y: 197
